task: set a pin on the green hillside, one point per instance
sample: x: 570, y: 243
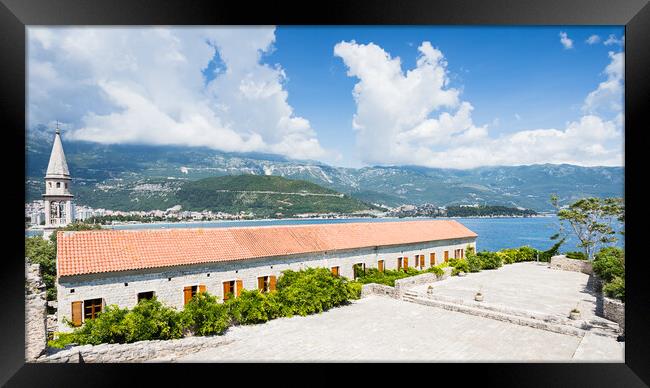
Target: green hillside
x: 264, y: 196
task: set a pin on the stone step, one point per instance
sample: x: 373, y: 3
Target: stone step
x: 500, y: 316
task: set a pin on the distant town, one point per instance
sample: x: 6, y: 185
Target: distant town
x: 35, y: 214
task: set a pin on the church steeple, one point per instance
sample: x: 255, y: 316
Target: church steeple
x: 57, y: 167
x: 57, y: 198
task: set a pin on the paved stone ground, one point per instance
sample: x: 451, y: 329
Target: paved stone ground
x: 526, y: 286
x: 383, y: 329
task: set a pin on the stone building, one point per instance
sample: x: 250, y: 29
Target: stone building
x: 57, y: 199
x: 99, y: 268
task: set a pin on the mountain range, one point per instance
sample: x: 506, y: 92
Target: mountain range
x: 134, y: 177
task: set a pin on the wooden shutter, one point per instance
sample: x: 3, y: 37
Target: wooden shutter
x: 380, y: 265
x: 421, y: 261
x: 260, y: 284
x: 272, y: 281
x: 399, y: 263
x: 406, y: 262
x: 239, y: 287
x: 433, y: 259
x: 462, y: 253
x: 226, y: 290
x: 335, y: 271
x: 76, y: 313
x: 202, y: 288
x: 446, y: 256
x: 187, y: 294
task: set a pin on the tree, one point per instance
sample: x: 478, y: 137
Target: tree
x: 591, y: 221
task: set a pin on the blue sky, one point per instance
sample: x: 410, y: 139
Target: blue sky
x: 298, y: 91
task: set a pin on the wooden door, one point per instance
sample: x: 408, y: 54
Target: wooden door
x: 406, y: 263
x: 76, y: 313
x: 380, y: 265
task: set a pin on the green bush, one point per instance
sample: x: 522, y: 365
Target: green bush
x: 615, y: 288
x: 460, y: 265
x: 576, y: 255
x: 354, y: 290
x: 436, y: 270
x: 151, y: 320
x: 312, y: 290
x: 489, y: 260
x: 509, y: 256
x: 473, y: 262
x: 527, y: 253
x: 609, y: 263
x: 387, y: 277
x: 204, y: 315
x: 249, y: 308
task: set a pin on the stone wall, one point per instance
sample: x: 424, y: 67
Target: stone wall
x: 135, y: 352
x: 401, y: 285
x: 35, y: 313
x: 564, y: 263
x: 122, y: 290
x: 614, y: 310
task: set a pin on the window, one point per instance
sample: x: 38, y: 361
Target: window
x: 92, y: 307
x: 432, y: 259
x: 358, y: 270
x: 406, y: 263
x: 421, y: 261
x: 145, y: 295
x: 446, y: 256
x: 462, y: 253
x: 58, y: 185
x: 66, y: 185
x: 380, y: 265
x: 231, y: 288
x: 399, y: 263
x: 190, y: 291
x: 49, y: 184
x: 335, y: 271
x: 266, y: 283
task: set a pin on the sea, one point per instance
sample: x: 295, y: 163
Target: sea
x: 494, y: 233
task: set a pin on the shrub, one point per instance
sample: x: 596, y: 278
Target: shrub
x: 436, y: 270
x: 609, y: 263
x: 204, y: 315
x: 473, y: 262
x: 489, y: 260
x: 108, y: 327
x: 151, y: 320
x: 615, y: 288
x: 576, y: 255
x: 527, y: 253
x: 509, y: 256
x: 311, y: 290
x: 250, y: 307
x: 387, y: 277
x: 460, y: 265
x: 354, y: 290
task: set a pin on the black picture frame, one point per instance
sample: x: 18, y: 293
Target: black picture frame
x: 15, y: 15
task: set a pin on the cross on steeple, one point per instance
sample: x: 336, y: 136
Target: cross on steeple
x: 58, y: 130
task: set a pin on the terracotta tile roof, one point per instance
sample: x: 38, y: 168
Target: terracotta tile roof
x: 85, y: 252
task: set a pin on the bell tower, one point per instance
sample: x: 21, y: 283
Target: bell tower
x: 57, y: 198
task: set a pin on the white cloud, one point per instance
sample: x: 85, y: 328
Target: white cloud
x: 146, y: 85
x: 608, y: 97
x: 565, y: 40
x: 611, y: 40
x: 414, y: 117
x: 593, y: 39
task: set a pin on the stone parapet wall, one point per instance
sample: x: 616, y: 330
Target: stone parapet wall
x: 614, y: 310
x: 135, y: 352
x: 35, y: 313
x: 564, y: 263
x: 401, y: 285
